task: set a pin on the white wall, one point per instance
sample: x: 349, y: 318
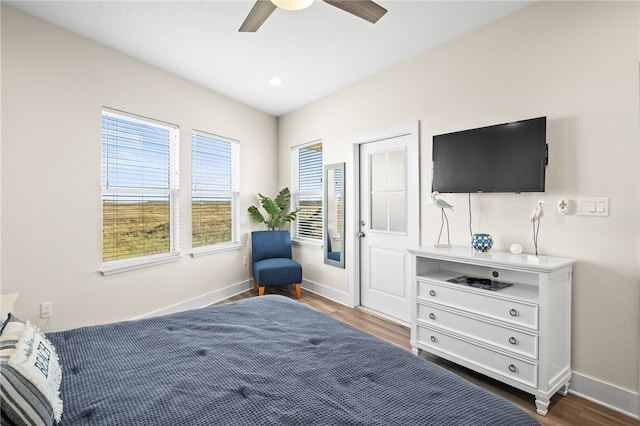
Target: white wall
x: 54, y: 84
x: 576, y: 63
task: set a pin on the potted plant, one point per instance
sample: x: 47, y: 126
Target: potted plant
x: 275, y: 209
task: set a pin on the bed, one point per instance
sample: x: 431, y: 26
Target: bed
x: 261, y: 361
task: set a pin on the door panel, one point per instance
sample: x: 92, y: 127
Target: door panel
x: 392, y: 262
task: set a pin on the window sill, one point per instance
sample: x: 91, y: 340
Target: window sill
x: 307, y: 243
x: 118, y: 266
x: 218, y: 248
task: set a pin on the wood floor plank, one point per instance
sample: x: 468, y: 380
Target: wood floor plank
x: 567, y: 410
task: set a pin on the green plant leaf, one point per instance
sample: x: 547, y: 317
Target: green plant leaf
x: 291, y: 216
x: 255, y: 214
x: 282, y: 200
x: 270, y: 206
x: 275, y: 223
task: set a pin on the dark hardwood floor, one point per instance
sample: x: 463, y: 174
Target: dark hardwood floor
x: 567, y: 410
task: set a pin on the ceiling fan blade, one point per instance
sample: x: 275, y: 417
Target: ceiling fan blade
x: 256, y: 17
x: 365, y: 9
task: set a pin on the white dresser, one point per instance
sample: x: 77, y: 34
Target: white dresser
x: 519, y: 334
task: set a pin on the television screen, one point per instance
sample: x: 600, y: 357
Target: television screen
x: 508, y: 157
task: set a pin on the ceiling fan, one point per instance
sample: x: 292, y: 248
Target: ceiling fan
x: 365, y: 9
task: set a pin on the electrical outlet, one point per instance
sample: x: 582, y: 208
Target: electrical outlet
x: 46, y: 310
x: 244, y: 261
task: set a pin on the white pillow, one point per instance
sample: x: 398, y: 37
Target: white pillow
x: 36, y: 360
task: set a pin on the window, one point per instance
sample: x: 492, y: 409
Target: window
x: 139, y: 191
x: 307, y: 193
x: 215, y: 192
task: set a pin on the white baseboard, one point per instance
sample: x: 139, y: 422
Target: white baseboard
x: 201, y: 301
x: 221, y: 294
x: 621, y: 400
x: 327, y: 292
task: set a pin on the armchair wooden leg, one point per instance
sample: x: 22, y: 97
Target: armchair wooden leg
x: 261, y: 291
x: 298, y: 291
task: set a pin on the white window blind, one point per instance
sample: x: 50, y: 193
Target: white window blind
x: 140, y: 219
x: 215, y: 190
x: 308, y: 191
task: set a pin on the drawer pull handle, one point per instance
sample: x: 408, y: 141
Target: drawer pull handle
x: 512, y: 368
x: 434, y: 339
x: 432, y: 316
x: 513, y: 340
x: 432, y: 293
x: 513, y: 313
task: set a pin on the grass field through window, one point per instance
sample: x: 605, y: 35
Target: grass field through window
x: 211, y: 222
x: 133, y: 229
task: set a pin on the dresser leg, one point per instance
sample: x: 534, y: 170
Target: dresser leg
x: 542, y: 406
x: 416, y: 351
x: 564, y: 390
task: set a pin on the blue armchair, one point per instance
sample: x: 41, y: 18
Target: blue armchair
x: 271, y: 261
x: 332, y: 255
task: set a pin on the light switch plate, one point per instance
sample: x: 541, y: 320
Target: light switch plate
x: 593, y: 207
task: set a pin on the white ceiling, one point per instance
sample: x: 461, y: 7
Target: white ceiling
x: 316, y: 51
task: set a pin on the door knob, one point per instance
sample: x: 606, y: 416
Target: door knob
x: 360, y: 234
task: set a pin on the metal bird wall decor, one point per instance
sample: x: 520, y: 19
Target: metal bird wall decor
x: 536, y: 215
x: 442, y: 205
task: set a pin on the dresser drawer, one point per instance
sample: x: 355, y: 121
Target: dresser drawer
x: 499, y: 363
x: 491, y: 333
x: 482, y: 302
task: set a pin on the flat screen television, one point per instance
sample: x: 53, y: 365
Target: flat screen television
x: 509, y: 157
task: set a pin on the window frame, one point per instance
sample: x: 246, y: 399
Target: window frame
x: 173, y: 193
x: 296, y: 194
x: 234, y: 194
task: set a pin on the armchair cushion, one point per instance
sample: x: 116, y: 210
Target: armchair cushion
x: 278, y: 271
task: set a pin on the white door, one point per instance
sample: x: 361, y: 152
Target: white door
x: 389, y: 221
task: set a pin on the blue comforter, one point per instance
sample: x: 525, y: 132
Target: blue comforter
x: 260, y: 361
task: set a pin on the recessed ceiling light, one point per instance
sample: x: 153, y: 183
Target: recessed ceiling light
x: 275, y: 81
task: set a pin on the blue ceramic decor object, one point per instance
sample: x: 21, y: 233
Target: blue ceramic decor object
x: 482, y: 242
